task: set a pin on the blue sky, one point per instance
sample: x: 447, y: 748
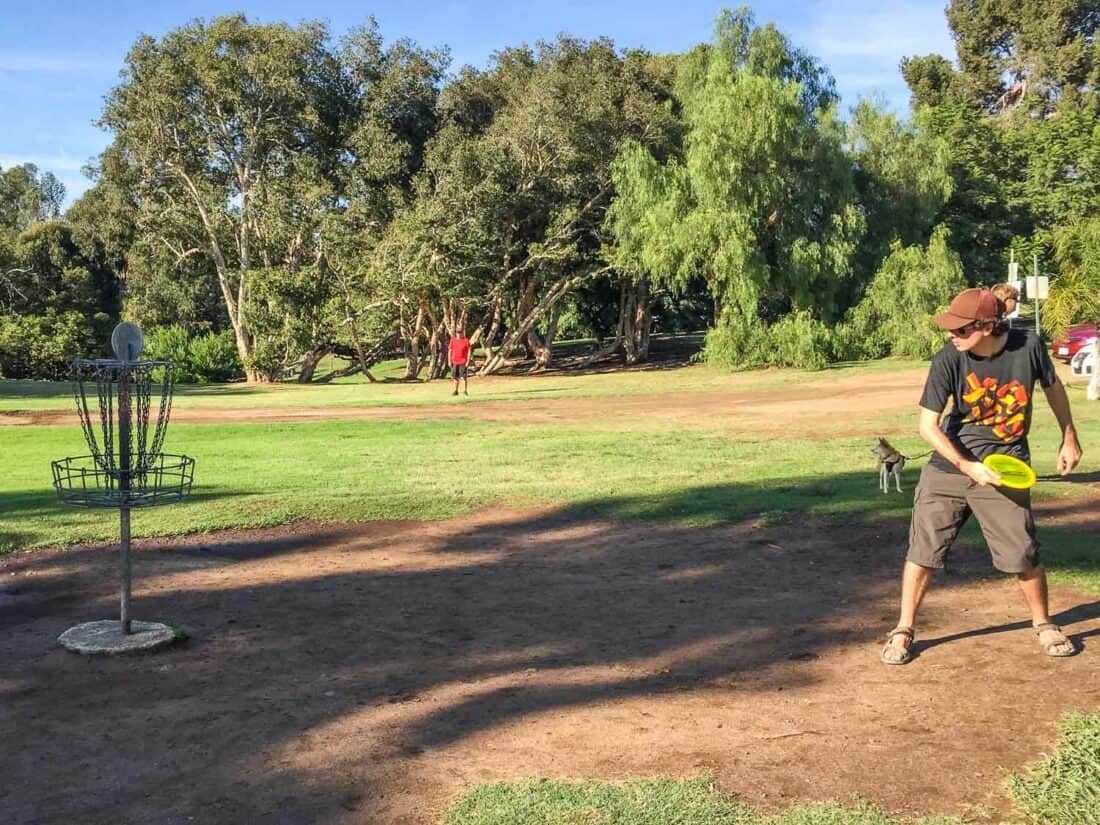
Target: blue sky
x: 58, y: 58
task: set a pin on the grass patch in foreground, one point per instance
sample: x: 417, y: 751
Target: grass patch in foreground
x: 1065, y: 787
x: 1062, y: 789
x: 643, y: 802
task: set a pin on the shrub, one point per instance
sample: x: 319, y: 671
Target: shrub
x: 895, y: 315
x: 205, y: 359
x: 214, y: 357
x: 170, y: 344
x: 795, y: 340
x: 1075, y: 293
x: 41, y: 346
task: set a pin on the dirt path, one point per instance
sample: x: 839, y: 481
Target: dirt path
x: 373, y: 673
x: 793, y: 409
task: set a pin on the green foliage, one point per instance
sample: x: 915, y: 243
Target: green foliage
x: 214, y: 358
x: 894, y: 317
x: 795, y: 340
x: 1064, y: 788
x: 203, y: 359
x: 1075, y: 294
x: 760, y: 201
x: 1037, y: 55
x: 41, y: 346
x: 26, y: 197
x: 902, y: 181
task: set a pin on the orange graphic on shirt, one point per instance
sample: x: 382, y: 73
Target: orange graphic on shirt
x: 1001, y: 407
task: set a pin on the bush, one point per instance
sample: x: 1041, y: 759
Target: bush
x: 170, y: 344
x: 795, y: 340
x: 208, y: 358
x: 41, y: 346
x: 799, y: 340
x: 895, y: 316
x: 214, y: 357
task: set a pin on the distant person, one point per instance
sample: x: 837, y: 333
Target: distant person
x: 1009, y: 297
x: 458, y: 357
x: 989, y: 372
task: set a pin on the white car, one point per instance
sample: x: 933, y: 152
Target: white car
x: 1083, y: 364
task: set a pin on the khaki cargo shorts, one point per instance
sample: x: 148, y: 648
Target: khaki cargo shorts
x: 943, y: 503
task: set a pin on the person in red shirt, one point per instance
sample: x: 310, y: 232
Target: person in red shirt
x: 458, y: 357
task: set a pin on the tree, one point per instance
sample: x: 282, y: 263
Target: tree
x: 1038, y: 55
x: 27, y: 197
x: 902, y: 182
x: 222, y: 122
x: 762, y: 203
x: 510, y: 206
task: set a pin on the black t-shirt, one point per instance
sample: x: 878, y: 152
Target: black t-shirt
x: 992, y: 396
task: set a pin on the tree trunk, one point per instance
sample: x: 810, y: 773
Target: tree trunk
x: 518, y: 333
x: 309, y: 364
x: 413, y: 360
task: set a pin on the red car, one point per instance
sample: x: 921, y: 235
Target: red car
x: 1072, y: 340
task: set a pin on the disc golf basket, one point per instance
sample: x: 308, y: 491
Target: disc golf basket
x: 123, y: 404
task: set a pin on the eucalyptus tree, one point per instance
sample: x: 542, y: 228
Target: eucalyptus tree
x: 218, y: 119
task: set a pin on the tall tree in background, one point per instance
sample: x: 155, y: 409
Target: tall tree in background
x: 219, y: 121
x: 763, y: 202
x: 511, y: 203
x: 1038, y: 55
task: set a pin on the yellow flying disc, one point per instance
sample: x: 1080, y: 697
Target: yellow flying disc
x: 1013, y: 472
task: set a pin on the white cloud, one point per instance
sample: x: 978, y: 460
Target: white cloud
x: 879, y: 31
x: 55, y: 64
x: 45, y: 163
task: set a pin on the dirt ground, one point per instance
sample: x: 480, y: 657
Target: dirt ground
x: 373, y: 673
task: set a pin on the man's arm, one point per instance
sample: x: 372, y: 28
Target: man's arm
x: 1069, y: 454
x: 930, y: 431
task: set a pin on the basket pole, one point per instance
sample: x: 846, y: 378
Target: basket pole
x: 124, y: 493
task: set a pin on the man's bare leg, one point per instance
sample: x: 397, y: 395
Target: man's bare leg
x: 914, y: 584
x: 1033, y: 583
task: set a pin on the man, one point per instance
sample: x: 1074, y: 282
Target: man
x: 458, y: 357
x: 990, y: 372
x: 1009, y: 297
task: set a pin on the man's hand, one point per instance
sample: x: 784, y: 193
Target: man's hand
x: 980, y: 473
x: 1070, y: 453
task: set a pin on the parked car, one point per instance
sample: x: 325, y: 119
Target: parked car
x: 1072, y: 340
x: 1083, y: 363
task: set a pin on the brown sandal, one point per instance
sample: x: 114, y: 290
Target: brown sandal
x: 1050, y: 648
x: 904, y: 655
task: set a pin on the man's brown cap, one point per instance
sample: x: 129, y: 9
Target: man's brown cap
x: 969, y: 305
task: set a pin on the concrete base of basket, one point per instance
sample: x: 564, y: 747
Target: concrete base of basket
x: 106, y: 637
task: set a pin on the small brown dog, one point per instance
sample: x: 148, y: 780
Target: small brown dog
x: 890, y: 463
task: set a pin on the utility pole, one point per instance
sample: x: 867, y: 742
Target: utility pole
x: 1035, y: 272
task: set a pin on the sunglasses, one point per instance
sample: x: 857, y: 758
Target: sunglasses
x: 962, y: 332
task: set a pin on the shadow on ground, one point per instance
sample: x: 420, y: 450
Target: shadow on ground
x: 328, y: 664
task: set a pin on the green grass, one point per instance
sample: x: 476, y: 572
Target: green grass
x: 1065, y: 786
x: 260, y: 474
x: 1061, y: 789
x: 648, y: 802
x: 25, y: 395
